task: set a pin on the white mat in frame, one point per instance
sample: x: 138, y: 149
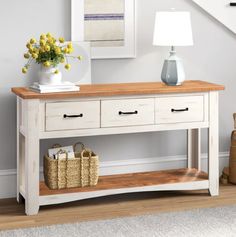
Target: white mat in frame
x: 126, y: 51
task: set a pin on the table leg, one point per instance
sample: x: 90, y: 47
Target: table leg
x: 32, y: 157
x: 213, y: 139
x: 18, y: 173
x: 194, y: 148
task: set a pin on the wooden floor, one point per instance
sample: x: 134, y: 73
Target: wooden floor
x: 12, y: 214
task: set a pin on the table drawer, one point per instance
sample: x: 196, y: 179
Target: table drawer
x: 72, y: 115
x: 179, y: 109
x: 127, y: 112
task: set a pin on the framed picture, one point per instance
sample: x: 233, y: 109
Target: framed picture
x: 109, y: 25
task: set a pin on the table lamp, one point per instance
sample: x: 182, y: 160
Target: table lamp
x: 173, y: 29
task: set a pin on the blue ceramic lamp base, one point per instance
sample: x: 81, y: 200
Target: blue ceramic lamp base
x: 173, y: 71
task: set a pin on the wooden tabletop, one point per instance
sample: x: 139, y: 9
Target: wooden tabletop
x: 139, y: 88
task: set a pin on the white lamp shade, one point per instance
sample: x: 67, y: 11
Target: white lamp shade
x: 173, y: 29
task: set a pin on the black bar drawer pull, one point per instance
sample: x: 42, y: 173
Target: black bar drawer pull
x: 135, y: 112
x: 233, y: 4
x: 179, y: 110
x: 73, y: 116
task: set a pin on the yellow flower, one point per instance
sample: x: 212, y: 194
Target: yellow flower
x: 53, y: 39
x: 80, y: 57
x: 47, y: 64
x: 42, y: 42
x: 35, y: 50
x: 24, y: 70
x: 62, y: 60
x: 28, y: 45
x: 70, y: 50
x: 50, y: 40
x: 49, y: 35
x: 47, y: 48
x: 31, y: 50
x: 41, y: 50
x: 56, y: 71
x: 65, y: 50
x: 69, y: 45
x: 61, y: 40
x: 67, y: 66
x: 33, y: 41
x: 34, y: 55
x: 42, y: 36
x: 57, y: 50
x: 26, y: 55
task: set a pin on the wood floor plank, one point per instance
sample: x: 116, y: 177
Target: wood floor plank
x: 12, y: 214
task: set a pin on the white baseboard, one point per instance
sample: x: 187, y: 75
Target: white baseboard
x: 8, y: 177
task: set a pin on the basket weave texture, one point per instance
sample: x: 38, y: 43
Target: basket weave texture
x: 81, y: 171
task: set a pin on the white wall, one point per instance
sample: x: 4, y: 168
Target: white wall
x: 212, y: 58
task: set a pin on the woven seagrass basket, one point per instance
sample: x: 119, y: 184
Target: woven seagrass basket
x: 81, y: 171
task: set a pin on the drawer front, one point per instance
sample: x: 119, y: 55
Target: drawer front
x: 179, y: 109
x: 72, y: 115
x: 127, y: 112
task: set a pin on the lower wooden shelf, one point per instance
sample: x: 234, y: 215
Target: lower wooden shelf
x: 178, y: 179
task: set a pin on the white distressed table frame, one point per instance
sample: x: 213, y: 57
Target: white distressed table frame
x: 31, y: 129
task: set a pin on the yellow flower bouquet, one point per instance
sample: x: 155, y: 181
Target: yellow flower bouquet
x: 49, y: 52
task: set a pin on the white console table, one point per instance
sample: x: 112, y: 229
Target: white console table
x: 116, y: 109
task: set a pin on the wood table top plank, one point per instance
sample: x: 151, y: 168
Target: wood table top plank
x: 138, y: 88
x: 134, y: 180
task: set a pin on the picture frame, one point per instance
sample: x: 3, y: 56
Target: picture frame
x: 126, y: 50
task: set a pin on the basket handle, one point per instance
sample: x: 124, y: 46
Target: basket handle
x: 63, y: 152
x: 82, y: 164
x: 86, y: 150
x: 81, y: 146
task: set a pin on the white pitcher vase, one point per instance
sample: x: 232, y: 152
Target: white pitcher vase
x: 47, y: 76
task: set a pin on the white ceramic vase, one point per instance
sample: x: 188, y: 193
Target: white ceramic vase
x: 47, y: 76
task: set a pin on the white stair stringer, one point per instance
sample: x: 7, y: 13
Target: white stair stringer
x: 221, y: 10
